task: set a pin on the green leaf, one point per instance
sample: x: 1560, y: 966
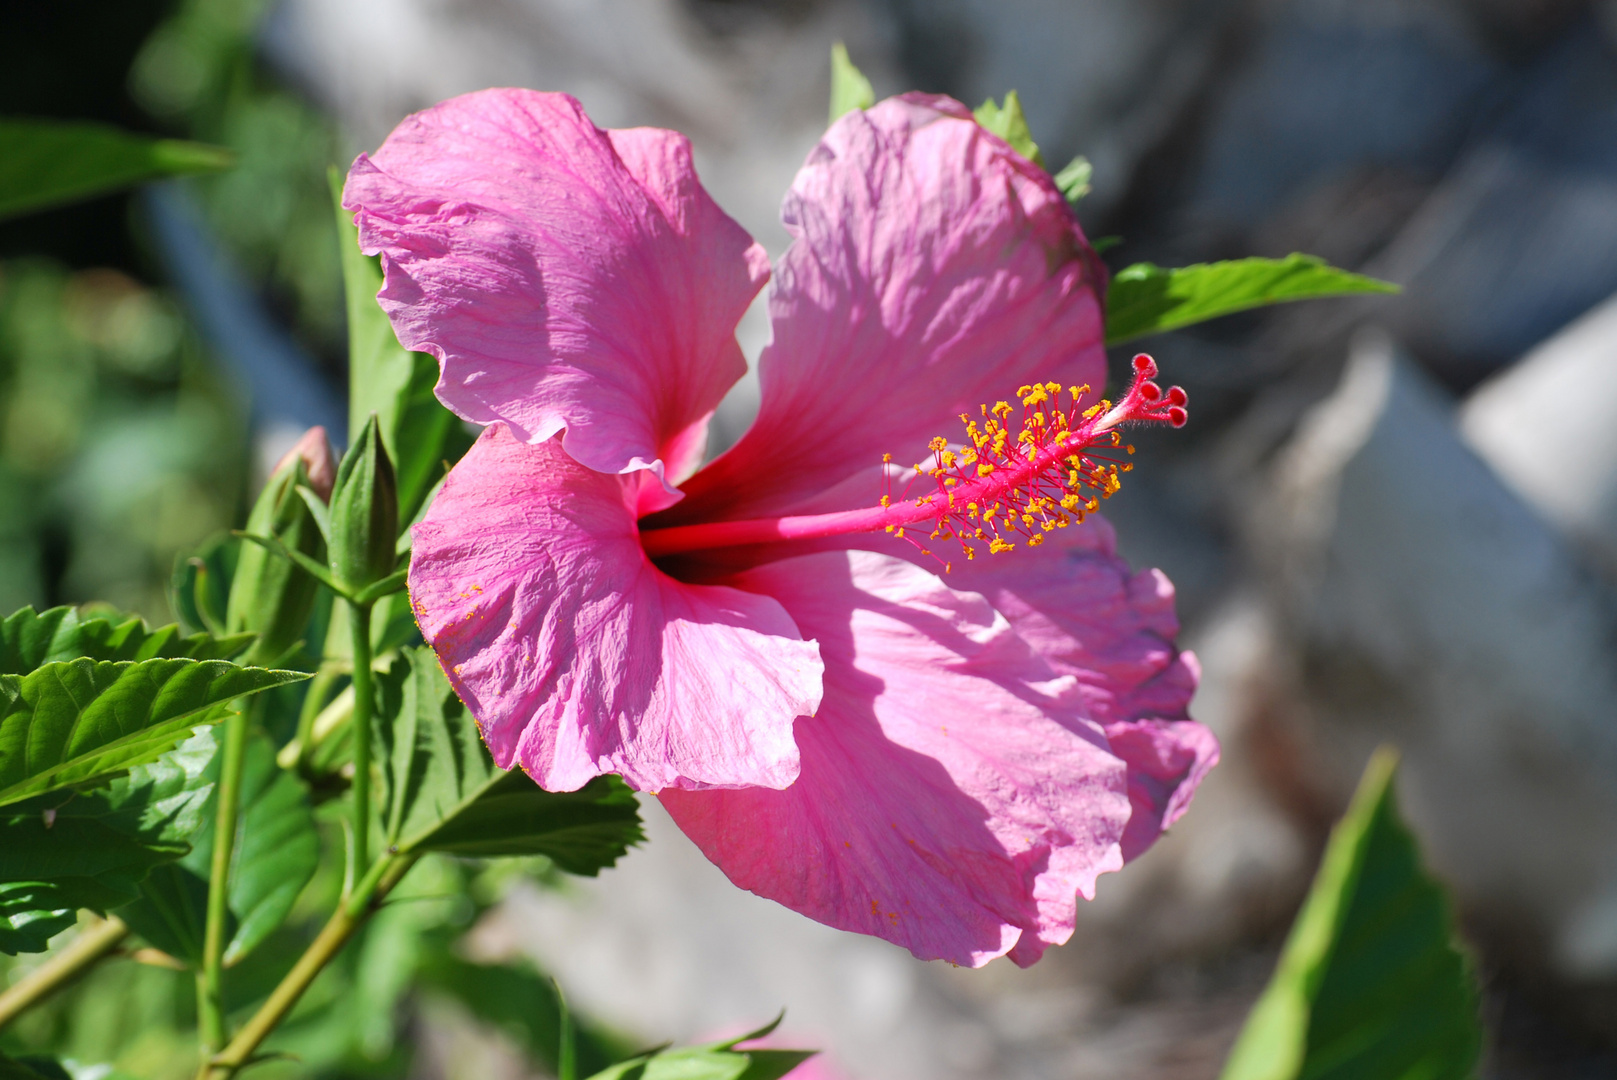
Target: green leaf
x: 29, y: 640
x: 276, y: 853
x: 850, y: 89
x: 1008, y: 122
x: 32, y: 1068
x: 93, y: 851
x: 1074, y: 179
x: 386, y: 378
x: 1371, y: 982
x: 270, y: 596
x: 1146, y: 299
x: 442, y: 792
x: 712, y: 1062
x: 83, y: 720
x: 44, y: 163
x: 516, y: 998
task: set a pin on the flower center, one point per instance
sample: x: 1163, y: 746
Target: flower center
x: 1011, y: 480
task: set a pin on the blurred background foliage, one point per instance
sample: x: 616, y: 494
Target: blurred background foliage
x: 124, y: 443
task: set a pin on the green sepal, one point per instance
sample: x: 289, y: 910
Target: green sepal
x: 199, y: 585
x: 45, y: 163
x: 1371, y: 981
x: 1074, y: 180
x: 269, y: 595
x: 850, y: 89
x: 364, y: 512
x: 1147, y: 299
x: 1009, y: 123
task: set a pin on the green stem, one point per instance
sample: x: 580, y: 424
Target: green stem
x: 210, y: 980
x: 359, y: 628
x: 315, y: 700
x: 347, y: 919
x: 93, y: 944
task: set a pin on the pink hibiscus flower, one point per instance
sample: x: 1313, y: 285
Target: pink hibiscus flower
x: 812, y: 658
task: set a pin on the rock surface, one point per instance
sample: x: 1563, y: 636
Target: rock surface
x: 1548, y: 426
x: 1424, y: 603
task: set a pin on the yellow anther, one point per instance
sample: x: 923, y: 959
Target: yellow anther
x: 1002, y: 409
x: 984, y: 469
x: 998, y: 546
x: 947, y: 458
x: 887, y: 500
x: 1035, y: 540
x: 937, y: 444
x: 887, y: 459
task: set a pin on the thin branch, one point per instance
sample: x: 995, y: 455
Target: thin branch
x: 85, y: 951
x: 344, y: 922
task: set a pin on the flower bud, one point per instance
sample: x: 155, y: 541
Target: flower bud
x: 270, y: 595
x: 364, y: 512
x: 315, y: 451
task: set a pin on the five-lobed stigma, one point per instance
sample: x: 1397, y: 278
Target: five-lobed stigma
x: 1016, y: 478
x: 1010, y: 482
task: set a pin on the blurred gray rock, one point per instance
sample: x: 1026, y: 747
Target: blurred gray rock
x: 1522, y: 236
x: 1420, y: 601
x: 1329, y: 91
x: 1097, y: 77
x: 1548, y: 426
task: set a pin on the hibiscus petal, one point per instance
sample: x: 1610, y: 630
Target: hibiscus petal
x: 576, y: 655
x: 567, y: 278
x: 950, y: 799
x: 1077, y: 604
x: 932, y: 269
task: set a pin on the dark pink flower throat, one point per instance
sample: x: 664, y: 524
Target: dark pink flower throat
x: 1011, y: 481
